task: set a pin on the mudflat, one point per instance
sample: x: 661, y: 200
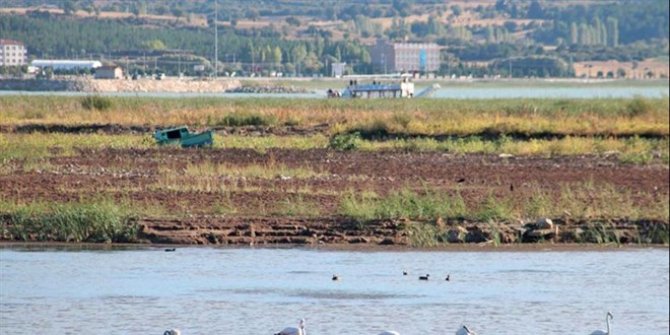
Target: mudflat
x: 291, y: 196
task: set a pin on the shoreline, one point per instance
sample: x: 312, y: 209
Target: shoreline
x: 195, y: 85
x: 469, y: 247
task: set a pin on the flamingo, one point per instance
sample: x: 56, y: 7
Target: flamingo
x: 294, y: 331
x: 464, y: 330
x: 608, y: 317
x: 389, y: 332
x: 172, y: 332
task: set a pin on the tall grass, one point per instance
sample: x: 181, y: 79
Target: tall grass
x: 68, y: 222
x: 420, y: 116
x: 578, y: 201
x: 404, y: 204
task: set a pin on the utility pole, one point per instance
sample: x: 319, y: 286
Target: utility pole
x: 216, y: 38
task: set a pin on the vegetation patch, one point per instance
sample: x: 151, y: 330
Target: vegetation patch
x: 241, y: 119
x: 68, y: 222
x: 345, y: 142
x: 96, y: 102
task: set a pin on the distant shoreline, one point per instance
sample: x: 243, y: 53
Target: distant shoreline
x: 468, y: 247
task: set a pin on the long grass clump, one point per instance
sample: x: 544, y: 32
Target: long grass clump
x: 68, y: 222
x: 578, y: 117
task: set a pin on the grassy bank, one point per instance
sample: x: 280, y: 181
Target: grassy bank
x: 587, y: 117
x: 581, y: 201
x: 67, y: 222
x: 30, y: 148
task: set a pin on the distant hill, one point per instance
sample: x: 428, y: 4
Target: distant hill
x: 305, y: 36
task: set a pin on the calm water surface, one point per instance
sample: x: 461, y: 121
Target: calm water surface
x: 475, y: 91
x: 259, y: 291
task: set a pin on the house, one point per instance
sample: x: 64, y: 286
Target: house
x: 405, y: 57
x: 109, y: 72
x: 12, y: 53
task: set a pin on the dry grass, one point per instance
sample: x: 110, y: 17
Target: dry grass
x: 588, y: 117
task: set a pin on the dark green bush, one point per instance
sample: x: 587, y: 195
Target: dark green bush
x: 238, y: 120
x: 96, y: 102
x: 345, y: 142
x: 638, y: 106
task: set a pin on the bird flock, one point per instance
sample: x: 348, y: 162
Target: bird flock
x: 462, y: 330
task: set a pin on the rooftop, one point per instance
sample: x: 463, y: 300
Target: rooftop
x: 5, y: 41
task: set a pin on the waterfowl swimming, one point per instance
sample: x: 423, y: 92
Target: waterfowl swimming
x: 464, y: 330
x: 336, y: 277
x: 447, y: 279
x: 608, y: 317
x: 172, y: 332
x: 424, y: 277
x: 293, y: 330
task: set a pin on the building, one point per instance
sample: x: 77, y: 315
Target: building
x: 12, y: 53
x: 66, y: 64
x: 405, y: 57
x: 337, y: 69
x: 109, y: 72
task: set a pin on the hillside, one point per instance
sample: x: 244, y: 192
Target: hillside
x: 305, y: 36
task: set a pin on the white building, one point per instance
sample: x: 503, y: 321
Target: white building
x: 109, y: 72
x: 405, y: 57
x: 12, y: 53
x: 66, y: 64
x: 338, y: 69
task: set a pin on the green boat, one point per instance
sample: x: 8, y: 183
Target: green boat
x: 181, y: 136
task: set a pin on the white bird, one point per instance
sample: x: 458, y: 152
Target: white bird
x: 464, y: 330
x: 608, y: 317
x: 389, y: 332
x: 172, y: 332
x: 294, y: 331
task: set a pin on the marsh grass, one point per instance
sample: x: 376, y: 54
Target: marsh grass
x: 40, y: 145
x: 493, y: 210
x: 423, y: 235
x: 582, y: 117
x: 403, y: 204
x: 96, y: 102
x: 245, y: 119
x: 658, y: 233
x: 296, y: 205
x: 579, y: 201
x: 599, y: 233
x: 68, y: 222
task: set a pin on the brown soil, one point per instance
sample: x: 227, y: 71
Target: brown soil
x: 283, y: 209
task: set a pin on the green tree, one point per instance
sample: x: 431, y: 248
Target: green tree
x: 612, y: 32
x: 298, y: 53
x: 457, y: 10
x: 535, y: 10
x: 69, y: 7
x: 155, y: 44
x: 276, y: 55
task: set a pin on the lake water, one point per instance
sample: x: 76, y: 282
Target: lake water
x: 474, y: 91
x: 259, y: 291
x: 578, y: 92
